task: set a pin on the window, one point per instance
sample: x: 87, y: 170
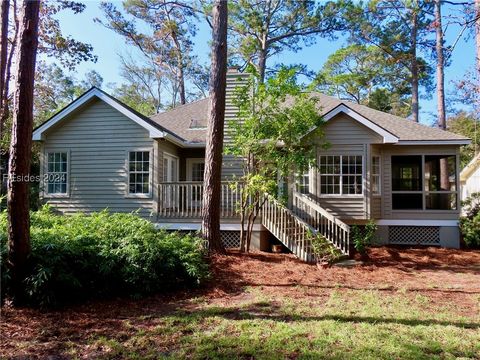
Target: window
x: 424, y: 182
x: 352, y: 175
x: 330, y: 174
x: 376, y: 187
x: 195, y: 172
x: 170, y: 168
x: 341, y: 175
x: 138, y: 172
x: 303, y: 183
x: 57, y: 173
x: 198, y: 170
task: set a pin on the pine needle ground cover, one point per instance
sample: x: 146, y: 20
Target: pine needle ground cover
x: 403, y: 304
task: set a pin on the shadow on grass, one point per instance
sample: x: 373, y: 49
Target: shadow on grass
x: 267, y: 311
x: 358, y: 288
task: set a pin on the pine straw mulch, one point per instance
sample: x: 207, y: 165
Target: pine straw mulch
x: 442, y: 275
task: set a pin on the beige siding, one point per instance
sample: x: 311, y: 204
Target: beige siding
x: 344, y: 130
x: 97, y: 139
x: 345, y: 136
x: 390, y: 150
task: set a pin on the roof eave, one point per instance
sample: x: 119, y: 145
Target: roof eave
x: 435, y: 142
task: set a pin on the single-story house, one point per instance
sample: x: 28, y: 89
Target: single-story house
x: 99, y: 153
x: 470, y: 178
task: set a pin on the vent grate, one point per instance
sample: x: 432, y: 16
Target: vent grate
x: 414, y: 235
x: 231, y: 239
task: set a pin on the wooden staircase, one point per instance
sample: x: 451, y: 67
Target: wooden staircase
x: 297, y: 227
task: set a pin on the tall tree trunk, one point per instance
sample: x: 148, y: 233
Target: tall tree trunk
x: 4, y: 9
x: 414, y: 65
x: 181, y: 85
x: 215, y: 128
x: 21, y: 146
x: 262, y: 64
x: 441, y: 121
x: 180, y: 70
x: 6, y: 106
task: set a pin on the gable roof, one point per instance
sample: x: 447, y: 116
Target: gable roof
x: 185, y: 125
x: 155, y: 130
x: 407, y: 131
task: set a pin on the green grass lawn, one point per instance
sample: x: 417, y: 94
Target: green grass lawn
x: 343, y: 325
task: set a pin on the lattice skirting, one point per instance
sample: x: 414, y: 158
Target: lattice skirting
x: 414, y: 235
x: 230, y: 239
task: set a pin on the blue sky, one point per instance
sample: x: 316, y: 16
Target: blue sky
x: 107, y: 45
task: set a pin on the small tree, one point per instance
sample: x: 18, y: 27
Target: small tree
x: 268, y: 134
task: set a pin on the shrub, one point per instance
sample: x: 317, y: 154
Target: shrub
x: 104, y: 255
x: 363, y: 238
x: 470, y: 222
x: 323, y: 251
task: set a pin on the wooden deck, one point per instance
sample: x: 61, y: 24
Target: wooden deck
x: 180, y: 204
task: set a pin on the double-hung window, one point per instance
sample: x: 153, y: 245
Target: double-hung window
x: 376, y: 187
x: 303, y: 182
x: 139, y: 173
x: 57, y: 173
x: 341, y: 174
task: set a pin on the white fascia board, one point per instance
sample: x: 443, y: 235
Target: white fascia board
x: 402, y: 222
x: 38, y: 134
x: 434, y: 142
x: 388, y: 138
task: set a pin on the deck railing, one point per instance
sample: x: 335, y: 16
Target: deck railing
x: 326, y: 224
x: 183, y: 199
x: 292, y: 231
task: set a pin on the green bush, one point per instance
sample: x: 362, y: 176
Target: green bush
x: 470, y: 222
x: 324, y: 251
x: 363, y: 238
x: 103, y: 255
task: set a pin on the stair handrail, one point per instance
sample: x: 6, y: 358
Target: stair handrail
x: 314, y: 205
x: 329, y: 226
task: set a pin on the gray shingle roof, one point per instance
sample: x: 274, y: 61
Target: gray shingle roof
x: 404, y: 129
x: 180, y: 119
x: 187, y: 121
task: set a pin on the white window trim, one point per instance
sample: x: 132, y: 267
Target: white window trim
x: 379, y: 193
x: 341, y: 194
x: 150, y: 174
x: 189, y: 163
x: 46, y: 194
x: 168, y: 155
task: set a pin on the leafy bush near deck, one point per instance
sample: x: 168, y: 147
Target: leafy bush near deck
x: 103, y: 255
x: 470, y: 223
